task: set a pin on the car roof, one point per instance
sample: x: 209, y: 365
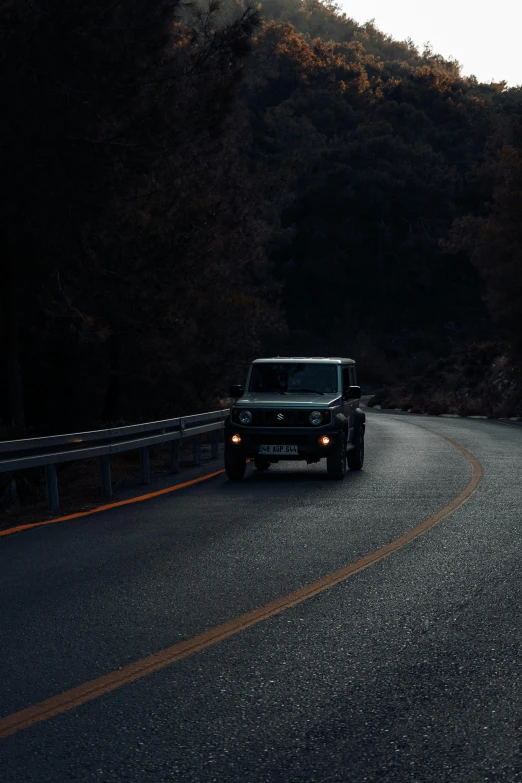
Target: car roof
x: 282, y: 359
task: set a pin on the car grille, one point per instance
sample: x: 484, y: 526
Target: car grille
x: 272, y: 418
x: 269, y: 418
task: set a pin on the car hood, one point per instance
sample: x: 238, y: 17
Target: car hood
x: 266, y: 400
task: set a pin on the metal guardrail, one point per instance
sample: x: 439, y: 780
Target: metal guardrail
x: 49, y: 451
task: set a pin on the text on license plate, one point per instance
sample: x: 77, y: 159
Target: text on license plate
x: 280, y: 449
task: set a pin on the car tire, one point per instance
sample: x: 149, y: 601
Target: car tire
x: 235, y: 464
x: 356, y: 455
x: 336, y: 460
x: 261, y: 463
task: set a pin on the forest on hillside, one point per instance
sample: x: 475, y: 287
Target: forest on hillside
x: 186, y: 187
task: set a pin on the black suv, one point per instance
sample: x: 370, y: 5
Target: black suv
x: 296, y: 409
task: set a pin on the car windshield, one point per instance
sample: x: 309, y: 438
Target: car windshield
x: 289, y: 377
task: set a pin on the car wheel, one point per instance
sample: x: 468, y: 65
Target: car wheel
x: 356, y: 455
x: 235, y: 464
x: 261, y: 463
x: 336, y: 460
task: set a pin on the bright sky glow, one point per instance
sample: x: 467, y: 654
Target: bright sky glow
x: 485, y: 37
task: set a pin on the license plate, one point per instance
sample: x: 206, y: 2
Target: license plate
x: 279, y: 449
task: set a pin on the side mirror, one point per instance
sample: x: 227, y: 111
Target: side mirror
x: 352, y: 393
x: 236, y: 390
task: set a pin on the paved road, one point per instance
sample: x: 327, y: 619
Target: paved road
x: 407, y: 671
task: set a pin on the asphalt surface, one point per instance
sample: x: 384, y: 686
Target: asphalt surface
x: 407, y: 671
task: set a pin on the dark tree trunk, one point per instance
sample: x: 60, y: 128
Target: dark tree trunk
x: 9, y: 303
x: 111, y: 408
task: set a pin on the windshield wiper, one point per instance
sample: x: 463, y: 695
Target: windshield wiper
x: 271, y: 391
x: 308, y: 391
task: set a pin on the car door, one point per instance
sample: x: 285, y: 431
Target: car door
x: 348, y: 406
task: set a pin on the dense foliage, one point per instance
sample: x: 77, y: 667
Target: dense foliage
x: 494, y: 241
x: 186, y: 187
x: 129, y: 226
x: 390, y: 145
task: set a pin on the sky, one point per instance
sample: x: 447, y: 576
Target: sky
x: 485, y: 37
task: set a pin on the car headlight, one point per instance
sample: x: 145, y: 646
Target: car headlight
x: 245, y: 417
x: 315, y: 418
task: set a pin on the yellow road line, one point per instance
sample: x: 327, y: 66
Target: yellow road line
x: 153, y: 663
x: 148, y: 496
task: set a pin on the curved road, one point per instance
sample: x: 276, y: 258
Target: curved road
x: 406, y: 671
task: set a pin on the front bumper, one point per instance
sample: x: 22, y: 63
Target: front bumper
x: 305, y: 439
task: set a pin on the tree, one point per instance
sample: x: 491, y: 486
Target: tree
x: 120, y: 164
x: 495, y: 241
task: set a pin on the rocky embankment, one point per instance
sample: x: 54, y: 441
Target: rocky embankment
x: 482, y: 380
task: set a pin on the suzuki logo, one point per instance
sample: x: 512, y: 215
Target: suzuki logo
x: 280, y: 417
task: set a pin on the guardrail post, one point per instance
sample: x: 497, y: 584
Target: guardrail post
x: 51, y: 487
x: 145, y: 465
x: 196, y: 446
x: 106, y: 481
x: 174, y: 456
x: 215, y: 444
